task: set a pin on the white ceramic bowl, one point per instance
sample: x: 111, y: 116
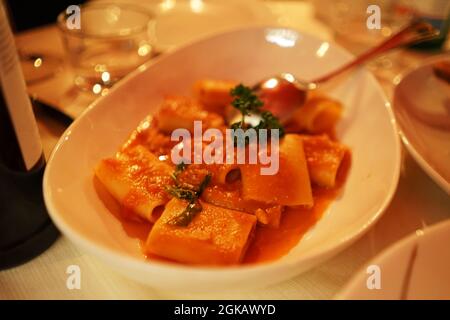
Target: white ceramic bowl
x: 248, y: 55
x: 414, y: 268
x: 424, y: 119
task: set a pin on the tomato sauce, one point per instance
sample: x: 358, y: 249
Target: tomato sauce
x: 272, y: 243
x: 268, y: 244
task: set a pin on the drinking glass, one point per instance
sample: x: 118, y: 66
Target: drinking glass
x: 110, y: 40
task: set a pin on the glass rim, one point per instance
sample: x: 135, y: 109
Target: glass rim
x: 61, y: 20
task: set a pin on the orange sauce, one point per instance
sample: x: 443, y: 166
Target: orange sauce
x: 272, y: 243
x: 136, y: 229
x: 268, y: 243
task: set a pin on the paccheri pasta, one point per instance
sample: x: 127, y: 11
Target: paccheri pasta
x: 226, y: 212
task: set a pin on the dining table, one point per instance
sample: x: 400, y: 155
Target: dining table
x: 417, y: 204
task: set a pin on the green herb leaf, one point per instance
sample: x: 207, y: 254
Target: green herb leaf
x: 245, y: 100
x: 204, y: 184
x: 180, y: 193
x: 269, y: 121
x: 184, y: 218
x: 248, y: 103
x: 178, y: 169
x: 236, y: 125
x: 187, y: 192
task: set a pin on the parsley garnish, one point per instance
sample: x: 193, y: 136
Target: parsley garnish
x: 248, y: 103
x: 181, y: 193
x: 184, y: 218
x: 204, y: 184
x: 188, y: 193
x: 269, y: 121
x: 245, y: 101
x: 178, y: 169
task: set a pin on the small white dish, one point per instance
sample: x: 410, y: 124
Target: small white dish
x: 422, y: 109
x: 417, y: 267
x: 248, y: 55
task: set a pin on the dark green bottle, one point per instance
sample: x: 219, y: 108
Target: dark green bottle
x: 437, y: 13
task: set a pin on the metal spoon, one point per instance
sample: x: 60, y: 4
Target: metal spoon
x: 283, y: 93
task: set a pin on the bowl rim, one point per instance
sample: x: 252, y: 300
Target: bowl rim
x: 157, y: 266
x: 348, y: 290
x: 431, y: 172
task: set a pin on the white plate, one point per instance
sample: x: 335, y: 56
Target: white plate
x: 422, y: 109
x: 417, y: 267
x: 367, y: 127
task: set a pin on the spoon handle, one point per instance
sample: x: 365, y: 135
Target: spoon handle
x: 414, y: 32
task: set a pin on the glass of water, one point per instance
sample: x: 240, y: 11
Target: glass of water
x: 105, y: 41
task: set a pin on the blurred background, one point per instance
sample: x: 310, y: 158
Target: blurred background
x: 65, y: 70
